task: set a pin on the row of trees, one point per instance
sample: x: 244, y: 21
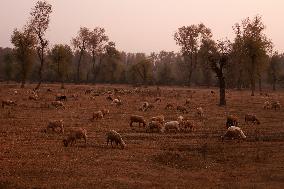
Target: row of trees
x: 92, y: 57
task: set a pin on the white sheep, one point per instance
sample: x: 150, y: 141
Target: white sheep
x: 113, y: 136
x: 234, y: 132
x: 172, y: 125
x: 200, y: 112
x: 267, y: 105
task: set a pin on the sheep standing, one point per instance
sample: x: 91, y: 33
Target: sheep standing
x: 275, y: 105
x: 113, y: 136
x: 8, y: 103
x: 234, y: 132
x: 55, y: 124
x: 155, y: 126
x: 105, y: 111
x: 98, y: 115
x: 159, y: 118
x: 75, y: 135
x: 232, y: 121
x: 187, y: 125
x: 251, y: 118
x: 137, y: 119
x: 60, y: 97
x: 172, y: 126
x: 267, y: 105
x: 169, y: 106
x: 182, y: 109
x: 57, y: 104
x: 200, y: 112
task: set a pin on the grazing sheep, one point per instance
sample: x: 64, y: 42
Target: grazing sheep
x: 57, y: 104
x: 158, y: 99
x: 98, y: 115
x: 114, y: 136
x: 117, y: 102
x: 159, y: 118
x: 187, y: 101
x: 212, y: 92
x: 267, y: 105
x: 8, y: 103
x: 234, y: 132
x: 182, y: 109
x: 232, y: 121
x: 55, y: 124
x: 187, y: 124
x: 137, y: 119
x: 49, y: 90
x: 169, y: 106
x: 60, y: 97
x: 146, y: 106
x: 200, y: 112
x: 180, y: 119
x: 172, y: 125
x: 75, y: 135
x: 276, y: 105
x: 105, y: 111
x: 88, y: 91
x: 251, y: 118
x: 109, y: 98
x: 155, y: 126
x: 33, y: 97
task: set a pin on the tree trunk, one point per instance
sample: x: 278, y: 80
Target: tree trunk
x: 240, y: 80
x: 41, y: 54
x: 259, y: 84
x: 222, y: 85
x: 252, y: 76
x: 274, y: 83
x: 78, y: 66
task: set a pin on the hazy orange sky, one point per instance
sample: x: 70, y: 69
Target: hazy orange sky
x: 144, y: 25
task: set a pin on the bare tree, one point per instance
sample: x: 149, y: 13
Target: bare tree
x: 218, y: 55
x: 39, y: 23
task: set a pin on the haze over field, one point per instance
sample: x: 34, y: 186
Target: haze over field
x: 143, y: 26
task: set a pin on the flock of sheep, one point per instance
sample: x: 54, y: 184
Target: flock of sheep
x: 155, y: 124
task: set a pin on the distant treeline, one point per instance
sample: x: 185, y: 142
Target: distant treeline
x: 164, y: 68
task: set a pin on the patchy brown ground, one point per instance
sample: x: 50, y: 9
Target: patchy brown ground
x: 31, y: 158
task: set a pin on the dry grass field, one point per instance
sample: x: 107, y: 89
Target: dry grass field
x: 31, y: 158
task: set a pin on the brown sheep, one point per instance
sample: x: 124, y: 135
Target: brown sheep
x: 75, y: 135
x: 60, y: 97
x: 137, y: 119
x: 8, y: 103
x: 251, y: 118
x: 158, y: 99
x: 169, y: 106
x: 98, y: 115
x: 55, y: 124
x: 187, y: 124
x: 113, y: 136
x: 57, y: 104
x: 155, y: 126
x: 182, y: 109
x: 105, y: 111
x: 159, y: 118
x: 275, y: 105
x: 232, y: 121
